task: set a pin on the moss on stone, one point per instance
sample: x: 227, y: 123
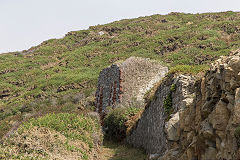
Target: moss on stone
x: 237, y: 135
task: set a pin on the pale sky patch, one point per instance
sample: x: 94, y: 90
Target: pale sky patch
x: 26, y: 23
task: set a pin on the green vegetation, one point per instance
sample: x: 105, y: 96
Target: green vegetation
x: 188, y: 69
x: 173, y: 88
x: 60, y: 75
x: 167, y: 103
x: 115, y: 123
x: 185, y: 42
x: 77, y: 103
x: 237, y: 135
x: 64, y: 133
x: 70, y: 125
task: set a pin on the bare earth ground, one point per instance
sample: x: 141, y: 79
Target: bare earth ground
x: 118, y: 151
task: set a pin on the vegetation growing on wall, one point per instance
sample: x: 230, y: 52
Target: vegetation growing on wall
x: 167, y: 103
x: 150, y: 94
x: 237, y: 135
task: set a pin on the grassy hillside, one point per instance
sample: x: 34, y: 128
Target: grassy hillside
x: 54, y: 136
x: 60, y: 75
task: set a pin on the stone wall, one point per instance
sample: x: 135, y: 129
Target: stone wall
x: 207, y: 126
x: 150, y: 129
x: 109, y: 88
x: 139, y: 75
x: 204, y: 122
x: 127, y: 82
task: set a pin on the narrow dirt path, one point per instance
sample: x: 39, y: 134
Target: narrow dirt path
x: 118, y: 151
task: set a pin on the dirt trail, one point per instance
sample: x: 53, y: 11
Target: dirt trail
x: 118, y: 151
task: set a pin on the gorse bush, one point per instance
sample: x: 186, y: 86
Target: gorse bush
x: 115, y: 122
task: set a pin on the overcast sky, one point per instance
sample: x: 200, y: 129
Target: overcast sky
x: 26, y: 23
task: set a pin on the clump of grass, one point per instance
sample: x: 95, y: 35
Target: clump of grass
x: 188, y: 69
x: 70, y: 125
x: 62, y: 133
x: 173, y: 88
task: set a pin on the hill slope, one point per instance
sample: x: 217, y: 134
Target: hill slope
x: 55, y: 136
x: 46, y: 78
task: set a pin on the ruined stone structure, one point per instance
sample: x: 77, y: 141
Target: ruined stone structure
x: 149, y: 133
x: 126, y: 82
x: 205, y: 121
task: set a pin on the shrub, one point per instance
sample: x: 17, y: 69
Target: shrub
x: 115, y: 122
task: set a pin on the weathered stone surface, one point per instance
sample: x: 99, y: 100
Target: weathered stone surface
x: 206, y: 129
x: 236, y: 113
x: 127, y: 81
x: 150, y: 129
x: 153, y: 156
x: 108, y: 91
x: 101, y: 33
x: 171, y: 128
x: 149, y: 133
x: 210, y: 154
x: 201, y: 127
x: 234, y: 63
x: 170, y: 155
x: 221, y: 116
x: 237, y: 96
